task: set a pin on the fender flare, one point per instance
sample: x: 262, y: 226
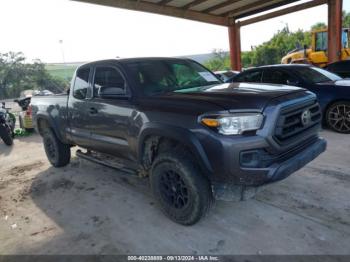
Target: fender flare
x: 42, y: 116
x: 182, y: 135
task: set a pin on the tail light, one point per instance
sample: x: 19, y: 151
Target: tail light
x: 29, y: 111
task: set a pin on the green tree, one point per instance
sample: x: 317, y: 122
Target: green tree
x: 346, y: 19
x: 16, y: 75
x: 272, y: 51
x: 318, y: 26
x: 220, y: 61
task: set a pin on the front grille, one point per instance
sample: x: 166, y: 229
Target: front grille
x: 290, y: 123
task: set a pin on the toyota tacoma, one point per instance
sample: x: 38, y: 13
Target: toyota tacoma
x: 174, y: 121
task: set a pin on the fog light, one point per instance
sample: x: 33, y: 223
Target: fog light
x: 250, y: 159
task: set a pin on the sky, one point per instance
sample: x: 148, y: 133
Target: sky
x: 90, y: 32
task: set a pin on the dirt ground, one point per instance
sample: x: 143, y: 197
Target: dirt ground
x: 88, y: 209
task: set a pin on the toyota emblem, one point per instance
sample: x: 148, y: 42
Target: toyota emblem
x: 306, y: 117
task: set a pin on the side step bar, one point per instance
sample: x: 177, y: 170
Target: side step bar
x: 108, y: 161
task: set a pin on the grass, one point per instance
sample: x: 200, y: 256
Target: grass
x: 61, y: 71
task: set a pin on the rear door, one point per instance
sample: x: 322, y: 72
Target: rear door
x: 110, y: 118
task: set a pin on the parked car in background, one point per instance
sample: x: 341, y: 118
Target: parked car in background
x: 226, y: 76
x: 341, y: 68
x: 174, y: 121
x: 332, y: 91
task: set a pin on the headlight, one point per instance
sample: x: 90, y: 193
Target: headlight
x: 234, y: 124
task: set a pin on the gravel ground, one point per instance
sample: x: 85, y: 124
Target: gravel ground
x: 85, y: 208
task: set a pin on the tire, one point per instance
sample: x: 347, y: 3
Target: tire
x: 5, y: 135
x: 57, y: 153
x: 183, y: 193
x: 338, y: 117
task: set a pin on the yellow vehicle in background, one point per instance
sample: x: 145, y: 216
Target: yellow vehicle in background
x: 317, y: 54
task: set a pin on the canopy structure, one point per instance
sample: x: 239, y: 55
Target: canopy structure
x: 234, y: 14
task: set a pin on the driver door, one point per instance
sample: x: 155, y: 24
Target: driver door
x: 110, y: 118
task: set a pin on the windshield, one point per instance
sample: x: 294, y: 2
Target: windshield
x: 316, y: 75
x: 162, y: 76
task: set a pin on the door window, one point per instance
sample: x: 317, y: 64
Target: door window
x: 108, y: 76
x: 345, y: 39
x: 81, y: 83
x: 277, y: 77
x: 254, y: 77
x: 321, y: 41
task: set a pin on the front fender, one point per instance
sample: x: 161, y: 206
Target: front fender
x: 182, y: 135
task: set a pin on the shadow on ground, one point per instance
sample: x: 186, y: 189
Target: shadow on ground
x: 96, y: 210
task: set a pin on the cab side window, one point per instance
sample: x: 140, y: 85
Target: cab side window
x: 81, y: 83
x: 108, y: 76
x: 253, y: 77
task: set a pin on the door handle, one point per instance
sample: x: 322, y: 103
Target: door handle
x: 93, y: 111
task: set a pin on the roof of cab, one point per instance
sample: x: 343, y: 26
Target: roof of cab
x: 135, y: 59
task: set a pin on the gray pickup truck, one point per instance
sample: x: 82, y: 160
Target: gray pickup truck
x: 174, y: 121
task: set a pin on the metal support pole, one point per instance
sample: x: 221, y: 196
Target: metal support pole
x: 335, y: 8
x: 235, y: 46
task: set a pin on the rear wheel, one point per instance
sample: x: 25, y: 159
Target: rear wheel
x: 183, y: 193
x: 57, y: 153
x: 338, y: 117
x: 6, y: 135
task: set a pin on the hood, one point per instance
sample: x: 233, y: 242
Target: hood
x: 233, y: 96
x: 241, y: 95
x: 342, y: 82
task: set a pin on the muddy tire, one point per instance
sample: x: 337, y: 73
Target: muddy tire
x: 57, y: 153
x: 5, y: 135
x: 338, y: 117
x: 182, y: 192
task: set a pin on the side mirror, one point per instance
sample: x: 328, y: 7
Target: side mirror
x: 110, y: 92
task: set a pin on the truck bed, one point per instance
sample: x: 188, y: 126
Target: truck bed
x: 54, y: 109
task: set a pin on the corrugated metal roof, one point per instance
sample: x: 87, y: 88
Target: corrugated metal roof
x: 210, y: 11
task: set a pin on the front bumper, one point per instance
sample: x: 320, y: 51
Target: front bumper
x: 257, y: 177
x: 288, y: 167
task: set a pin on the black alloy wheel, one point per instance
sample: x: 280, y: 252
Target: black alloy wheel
x: 338, y: 117
x: 173, y: 189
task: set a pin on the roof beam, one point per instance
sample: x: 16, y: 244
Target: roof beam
x: 164, y: 2
x: 161, y: 9
x: 194, y: 3
x: 255, y: 5
x: 221, y: 5
x: 265, y: 8
x: 284, y: 11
